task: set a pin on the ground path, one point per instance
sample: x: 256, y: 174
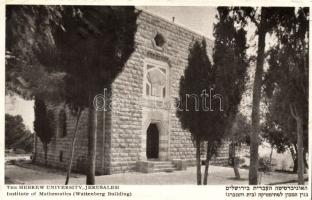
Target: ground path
x: 217, y: 176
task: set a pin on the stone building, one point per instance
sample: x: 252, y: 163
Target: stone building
x: 141, y: 132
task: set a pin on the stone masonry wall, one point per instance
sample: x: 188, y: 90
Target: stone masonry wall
x: 127, y: 91
x: 59, y: 149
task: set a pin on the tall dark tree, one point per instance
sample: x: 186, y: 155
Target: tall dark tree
x: 202, y: 123
x: 43, y: 125
x: 256, y: 96
x: 230, y: 65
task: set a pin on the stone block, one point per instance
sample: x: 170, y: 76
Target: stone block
x: 180, y: 164
x: 144, y: 166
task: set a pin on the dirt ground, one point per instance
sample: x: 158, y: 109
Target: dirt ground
x: 33, y: 174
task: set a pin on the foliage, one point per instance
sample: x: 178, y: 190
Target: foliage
x: 16, y: 134
x: 93, y: 43
x: 26, y: 142
x: 265, y: 164
x: 45, y: 44
x: 267, y: 20
x: 204, y: 124
x: 230, y: 62
x: 240, y: 133
x: 230, y: 65
x: 287, y: 77
x: 29, y: 49
x: 198, y: 76
x: 43, y: 124
x: 67, y: 53
x: 279, y: 127
x: 286, y: 81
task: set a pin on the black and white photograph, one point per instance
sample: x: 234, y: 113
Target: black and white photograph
x: 156, y: 95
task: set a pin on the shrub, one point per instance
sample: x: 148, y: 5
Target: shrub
x: 264, y: 164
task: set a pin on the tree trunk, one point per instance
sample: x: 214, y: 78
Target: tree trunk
x: 92, y: 133
x: 45, y: 148
x: 232, y: 155
x: 208, y: 156
x: 255, y: 117
x: 300, y: 151
x: 271, y: 154
x: 72, y: 148
x: 293, y: 151
x: 198, y: 162
x: 295, y: 169
x: 35, y: 147
x: 300, y: 165
x: 306, y: 165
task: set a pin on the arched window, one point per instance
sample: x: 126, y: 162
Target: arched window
x: 156, y: 80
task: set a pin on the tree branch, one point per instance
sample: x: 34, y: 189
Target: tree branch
x: 253, y: 19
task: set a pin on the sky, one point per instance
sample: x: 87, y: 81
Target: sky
x: 15, y: 105
x: 198, y: 19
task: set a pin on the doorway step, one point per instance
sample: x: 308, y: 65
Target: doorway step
x: 151, y: 166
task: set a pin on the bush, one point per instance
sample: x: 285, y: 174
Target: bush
x: 241, y: 160
x: 264, y: 164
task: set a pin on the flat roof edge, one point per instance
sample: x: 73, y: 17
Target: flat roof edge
x: 209, y: 39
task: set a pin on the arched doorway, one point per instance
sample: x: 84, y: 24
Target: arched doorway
x: 152, y: 142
